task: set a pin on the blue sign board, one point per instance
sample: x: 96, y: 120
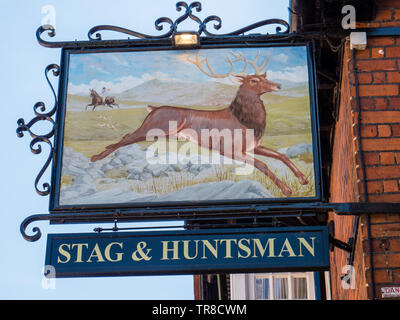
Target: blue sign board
x: 188, y: 251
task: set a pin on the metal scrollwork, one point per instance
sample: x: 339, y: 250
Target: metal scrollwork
x: 41, y: 114
x: 173, y: 25
x: 95, y: 37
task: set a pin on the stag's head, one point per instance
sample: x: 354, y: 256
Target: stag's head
x: 256, y: 82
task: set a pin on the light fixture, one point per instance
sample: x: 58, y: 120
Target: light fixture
x: 186, y: 39
x: 358, y: 40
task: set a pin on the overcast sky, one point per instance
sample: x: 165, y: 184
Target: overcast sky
x: 22, y: 64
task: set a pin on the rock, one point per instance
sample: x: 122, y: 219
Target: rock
x: 297, y: 149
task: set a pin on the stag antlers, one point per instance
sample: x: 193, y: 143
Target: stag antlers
x: 258, y: 68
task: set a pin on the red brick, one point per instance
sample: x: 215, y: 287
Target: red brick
x: 378, y: 90
x: 396, y: 130
x: 387, y: 158
x: 384, y: 218
x: 384, y: 144
x: 381, y: 103
x: 380, y: 276
x: 396, y: 14
x: 386, y: 197
x: 383, y: 260
x: 380, y: 116
x: 393, y: 76
x: 384, y: 15
x: 380, y: 41
x: 391, y: 185
x: 384, y: 131
x: 393, y: 52
x: 364, y: 78
x: 365, y: 103
x: 379, y: 77
x: 368, y: 131
x: 384, y: 172
x: 377, y: 65
x: 394, y: 102
x: 383, y: 244
x: 388, y: 229
x: 374, y: 187
x: 371, y: 158
x: 362, y: 54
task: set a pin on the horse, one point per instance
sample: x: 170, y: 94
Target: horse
x: 97, y: 100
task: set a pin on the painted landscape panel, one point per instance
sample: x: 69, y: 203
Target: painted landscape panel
x: 187, y: 125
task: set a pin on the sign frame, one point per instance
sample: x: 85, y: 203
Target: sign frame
x: 213, y: 205
x: 320, y: 263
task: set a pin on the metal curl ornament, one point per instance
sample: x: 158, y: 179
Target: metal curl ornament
x: 41, y: 114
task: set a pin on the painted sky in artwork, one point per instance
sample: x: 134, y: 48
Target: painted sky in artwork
x: 120, y: 71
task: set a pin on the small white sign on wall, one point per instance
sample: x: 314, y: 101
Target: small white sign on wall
x: 390, y: 292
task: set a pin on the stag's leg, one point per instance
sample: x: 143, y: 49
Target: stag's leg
x: 128, y: 139
x: 263, y: 168
x: 276, y: 155
x: 151, y: 122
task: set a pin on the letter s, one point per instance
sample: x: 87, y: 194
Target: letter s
x: 64, y: 253
x: 244, y: 247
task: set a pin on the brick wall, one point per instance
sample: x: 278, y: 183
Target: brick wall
x: 379, y: 88
x: 345, y: 188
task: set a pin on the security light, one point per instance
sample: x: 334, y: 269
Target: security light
x: 186, y: 39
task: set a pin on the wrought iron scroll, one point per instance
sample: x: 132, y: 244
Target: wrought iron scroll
x: 95, y: 37
x: 41, y: 114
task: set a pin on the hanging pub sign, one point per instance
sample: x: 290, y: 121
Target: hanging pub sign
x: 182, y: 120
x: 180, y: 252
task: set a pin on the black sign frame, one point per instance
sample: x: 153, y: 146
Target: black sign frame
x: 178, y: 205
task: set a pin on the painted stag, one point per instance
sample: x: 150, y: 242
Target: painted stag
x: 98, y: 100
x: 246, y: 112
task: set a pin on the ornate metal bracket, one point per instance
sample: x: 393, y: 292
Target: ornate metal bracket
x: 223, y: 213
x: 41, y: 114
x: 95, y: 37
